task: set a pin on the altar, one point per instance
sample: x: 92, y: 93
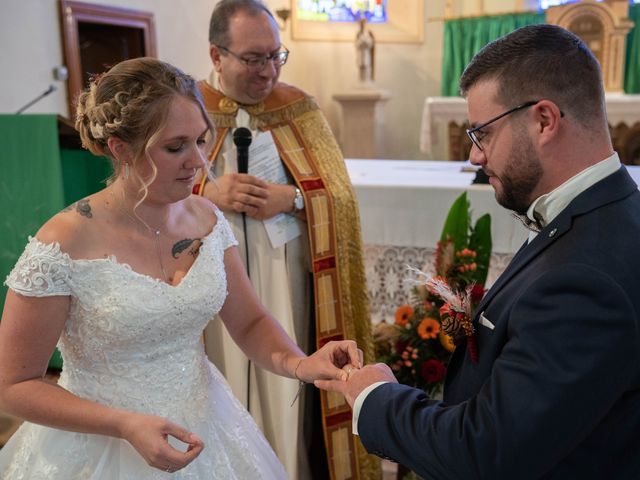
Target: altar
x: 403, y: 205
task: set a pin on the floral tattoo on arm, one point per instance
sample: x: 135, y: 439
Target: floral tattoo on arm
x: 187, y: 243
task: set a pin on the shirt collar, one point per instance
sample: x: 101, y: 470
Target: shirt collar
x: 547, y: 207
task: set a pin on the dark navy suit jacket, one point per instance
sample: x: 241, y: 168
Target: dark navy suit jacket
x: 556, y: 390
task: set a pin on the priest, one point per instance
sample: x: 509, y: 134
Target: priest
x: 295, y: 216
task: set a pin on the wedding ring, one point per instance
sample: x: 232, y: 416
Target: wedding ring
x: 168, y: 469
x: 349, y: 370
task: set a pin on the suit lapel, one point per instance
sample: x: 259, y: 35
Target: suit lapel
x: 526, y: 254
x: 612, y: 188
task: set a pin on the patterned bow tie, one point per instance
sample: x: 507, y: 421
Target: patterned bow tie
x: 533, y: 225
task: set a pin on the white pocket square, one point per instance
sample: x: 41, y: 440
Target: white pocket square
x: 485, y: 322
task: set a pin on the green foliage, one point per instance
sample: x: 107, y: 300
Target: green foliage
x: 416, y: 347
x: 456, y: 226
x: 480, y: 242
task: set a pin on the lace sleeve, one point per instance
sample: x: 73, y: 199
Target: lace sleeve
x: 228, y: 238
x: 41, y: 271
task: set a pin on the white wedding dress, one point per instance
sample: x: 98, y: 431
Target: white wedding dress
x: 134, y: 342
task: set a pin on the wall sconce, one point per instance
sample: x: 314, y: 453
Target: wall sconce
x: 283, y: 14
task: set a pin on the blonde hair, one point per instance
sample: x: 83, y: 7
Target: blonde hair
x: 131, y: 102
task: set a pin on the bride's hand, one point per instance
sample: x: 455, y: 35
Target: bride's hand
x: 149, y: 436
x: 327, y: 363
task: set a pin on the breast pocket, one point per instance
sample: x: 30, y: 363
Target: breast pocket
x: 483, y: 321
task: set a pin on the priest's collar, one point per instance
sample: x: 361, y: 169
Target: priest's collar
x: 230, y: 106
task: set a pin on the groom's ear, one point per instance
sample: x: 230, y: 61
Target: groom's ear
x: 547, y: 116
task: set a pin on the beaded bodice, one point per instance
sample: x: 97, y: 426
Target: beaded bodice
x: 130, y: 340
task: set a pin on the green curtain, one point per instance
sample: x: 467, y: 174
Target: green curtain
x: 632, y: 65
x: 31, y: 188
x: 38, y: 180
x: 464, y: 37
x: 30, y: 185
x: 82, y: 173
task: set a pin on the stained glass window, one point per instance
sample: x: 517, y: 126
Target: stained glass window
x: 375, y: 11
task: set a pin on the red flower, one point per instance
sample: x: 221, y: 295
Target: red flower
x: 433, y: 370
x: 477, y: 292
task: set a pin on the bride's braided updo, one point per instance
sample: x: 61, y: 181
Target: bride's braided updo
x: 131, y: 102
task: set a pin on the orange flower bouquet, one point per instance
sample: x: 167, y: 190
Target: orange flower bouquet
x: 419, y: 344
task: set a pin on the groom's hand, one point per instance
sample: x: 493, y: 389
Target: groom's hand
x: 358, y: 380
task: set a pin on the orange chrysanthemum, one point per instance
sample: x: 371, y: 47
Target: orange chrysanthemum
x: 428, y: 328
x: 404, y: 314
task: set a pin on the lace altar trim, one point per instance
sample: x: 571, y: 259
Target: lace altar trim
x: 388, y: 282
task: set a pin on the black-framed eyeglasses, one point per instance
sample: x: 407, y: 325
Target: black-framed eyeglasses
x: 471, y: 132
x: 257, y: 63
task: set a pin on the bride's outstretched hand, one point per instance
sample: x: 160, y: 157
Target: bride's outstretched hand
x: 149, y: 436
x: 327, y: 363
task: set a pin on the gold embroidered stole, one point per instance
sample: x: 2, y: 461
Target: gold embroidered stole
x: 308, y: 149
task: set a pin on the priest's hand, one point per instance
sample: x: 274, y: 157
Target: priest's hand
x: 279, y: 199
x: 357, y: 380
x: 238, y: 192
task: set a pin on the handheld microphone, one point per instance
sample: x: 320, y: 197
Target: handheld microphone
x: 242, y: 139
x: 49, y: 90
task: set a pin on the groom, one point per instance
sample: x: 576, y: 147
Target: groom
x: 556, y: 390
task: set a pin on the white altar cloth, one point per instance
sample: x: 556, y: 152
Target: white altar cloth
x: 405, y: 202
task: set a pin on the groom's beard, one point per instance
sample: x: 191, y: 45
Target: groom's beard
x: 520, y: 176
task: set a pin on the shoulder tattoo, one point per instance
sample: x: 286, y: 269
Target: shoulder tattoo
x: 81, y: 206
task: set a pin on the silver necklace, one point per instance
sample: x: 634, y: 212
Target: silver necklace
x: 157, y: 237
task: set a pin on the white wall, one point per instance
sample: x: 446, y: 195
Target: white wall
x: 32, y: 46
x: 410, y: 72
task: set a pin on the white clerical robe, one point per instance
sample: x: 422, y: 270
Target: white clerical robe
x: 280, y: 277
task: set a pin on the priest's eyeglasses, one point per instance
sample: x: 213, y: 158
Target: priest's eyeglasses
x: 257, y: 63
x: 476, y: 135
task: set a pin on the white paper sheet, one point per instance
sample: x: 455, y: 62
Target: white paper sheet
x: 265, y: 163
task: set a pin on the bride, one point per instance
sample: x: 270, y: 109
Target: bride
x: 124, y: 281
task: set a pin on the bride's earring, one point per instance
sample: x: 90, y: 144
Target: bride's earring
x: 126, y: 171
